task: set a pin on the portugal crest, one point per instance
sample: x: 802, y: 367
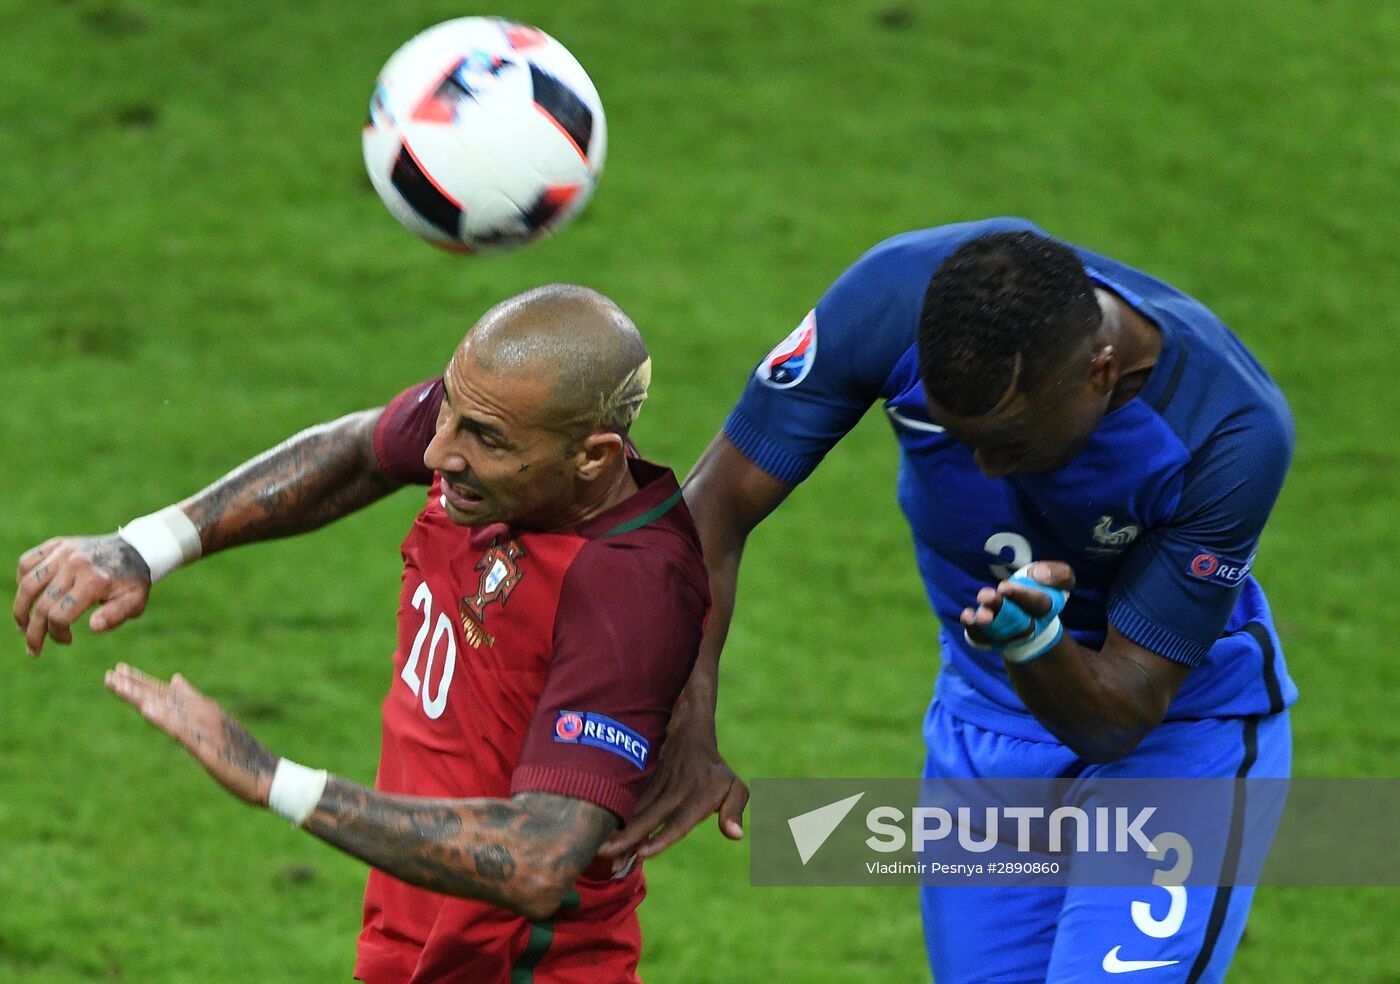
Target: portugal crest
x: 500, y: 573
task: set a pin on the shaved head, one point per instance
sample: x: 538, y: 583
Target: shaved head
x: 579, y: 339
x: 536, y: 403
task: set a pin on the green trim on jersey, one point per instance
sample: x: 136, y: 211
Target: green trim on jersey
x: 541, y: 939
x: 650, y: 516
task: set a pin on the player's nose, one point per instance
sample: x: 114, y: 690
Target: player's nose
x: 440, y: 455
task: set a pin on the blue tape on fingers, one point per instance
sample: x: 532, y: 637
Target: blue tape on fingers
x: 1009, y: 624
x: 1046, y: 631
x: 1014, y: 633
x: 1056, y: 596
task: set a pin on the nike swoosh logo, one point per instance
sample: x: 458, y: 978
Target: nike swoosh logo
x: 912, y: 423
x: 1113, y: 965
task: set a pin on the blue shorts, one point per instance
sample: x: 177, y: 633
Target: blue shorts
x: 1060, y: 935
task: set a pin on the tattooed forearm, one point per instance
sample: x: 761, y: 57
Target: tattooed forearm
x: 523, y: 853
x: 243, y: 750
x: 493, y: 862
x: 306, y: 481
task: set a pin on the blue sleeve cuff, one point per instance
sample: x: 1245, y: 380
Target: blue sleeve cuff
x: 764, y: 452
x: 1150, y: 636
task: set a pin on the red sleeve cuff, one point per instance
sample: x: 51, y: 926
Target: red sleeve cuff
x: 403, y: 432
x: 381, y: 454
x: 607, y: 793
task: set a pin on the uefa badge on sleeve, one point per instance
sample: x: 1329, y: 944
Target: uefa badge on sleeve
x: 792, y: 358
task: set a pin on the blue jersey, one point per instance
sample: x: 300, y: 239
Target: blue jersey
x: 1159, y: 515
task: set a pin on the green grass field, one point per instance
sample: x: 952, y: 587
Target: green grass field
x: 192, y: 266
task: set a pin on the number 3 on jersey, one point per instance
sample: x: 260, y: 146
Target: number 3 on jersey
x: 999, y: 543
x: 435, y: 705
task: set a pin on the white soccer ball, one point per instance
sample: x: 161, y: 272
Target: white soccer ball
x: 484, y: 133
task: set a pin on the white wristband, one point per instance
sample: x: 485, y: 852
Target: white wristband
x: 1037, y: 645
x: 295, y: 791
x: 165, y: 540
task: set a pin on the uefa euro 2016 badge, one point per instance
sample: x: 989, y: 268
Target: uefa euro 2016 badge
x: 792, y: 358
x: 500, y: 573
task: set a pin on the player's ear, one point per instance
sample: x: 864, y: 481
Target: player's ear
x: 597, y: 452
x: 1104, y: 369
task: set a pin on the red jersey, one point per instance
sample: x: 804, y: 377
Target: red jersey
x: 528, y: 661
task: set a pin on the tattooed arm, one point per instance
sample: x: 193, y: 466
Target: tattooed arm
x: 320, y: 475
x: 306, y: 481
x: 523, y: 853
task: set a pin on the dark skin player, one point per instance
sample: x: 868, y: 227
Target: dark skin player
x: 1100, y: 703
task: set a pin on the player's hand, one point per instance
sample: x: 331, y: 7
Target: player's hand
x: 62, y: 578
x: 692, y: 781
x: 218, y: 742
x: 1051, y: 573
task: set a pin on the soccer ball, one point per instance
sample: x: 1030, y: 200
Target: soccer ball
x: 484, y: 133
